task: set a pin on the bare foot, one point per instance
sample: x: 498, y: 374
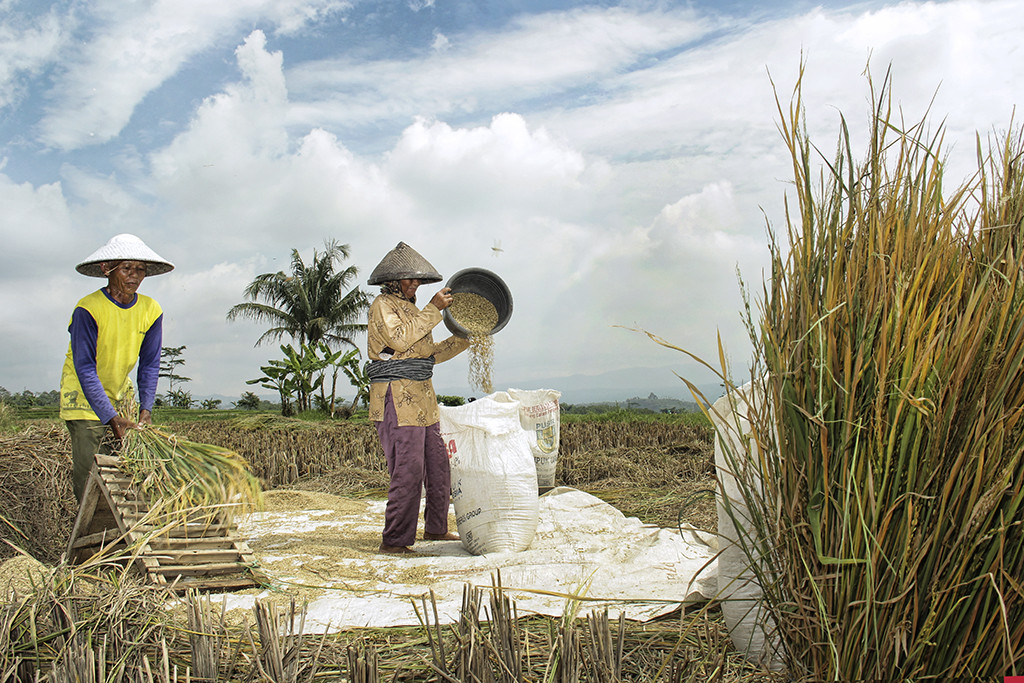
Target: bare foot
x: 395, y: 549
x: 440, y: 537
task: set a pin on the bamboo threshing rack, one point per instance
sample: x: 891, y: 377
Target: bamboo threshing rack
x: 200, y: 552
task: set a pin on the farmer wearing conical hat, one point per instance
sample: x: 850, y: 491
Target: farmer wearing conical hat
x: 403, y: 405
x: 111, y: 330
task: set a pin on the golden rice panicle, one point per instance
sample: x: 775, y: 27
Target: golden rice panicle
x: 184, y: 475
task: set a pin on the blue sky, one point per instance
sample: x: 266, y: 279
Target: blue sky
x: 623, y: 156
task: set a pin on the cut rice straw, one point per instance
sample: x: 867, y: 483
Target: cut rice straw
x: 188, y: 476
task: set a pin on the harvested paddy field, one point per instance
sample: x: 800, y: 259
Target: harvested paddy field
x: 658, y: 472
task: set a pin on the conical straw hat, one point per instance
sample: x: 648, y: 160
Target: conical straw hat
x: 124, y: 247
x: 403, y: 263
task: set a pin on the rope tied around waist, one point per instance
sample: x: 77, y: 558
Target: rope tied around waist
x: 418, y: 369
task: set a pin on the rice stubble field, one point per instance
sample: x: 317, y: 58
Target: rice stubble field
x: 658, y: 470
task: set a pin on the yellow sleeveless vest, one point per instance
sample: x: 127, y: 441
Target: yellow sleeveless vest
x: 119, y: 336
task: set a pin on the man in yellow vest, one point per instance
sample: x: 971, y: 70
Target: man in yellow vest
x: 111, y: 330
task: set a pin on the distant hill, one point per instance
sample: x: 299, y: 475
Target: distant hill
x: 652, y: 402
x: 616, y: 386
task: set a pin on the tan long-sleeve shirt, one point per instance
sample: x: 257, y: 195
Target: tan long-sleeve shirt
x: 396, y: 323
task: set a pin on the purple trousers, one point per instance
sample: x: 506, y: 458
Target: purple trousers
x: 416, y: 457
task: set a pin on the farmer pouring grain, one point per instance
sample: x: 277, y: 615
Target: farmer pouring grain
x: 111, y: 329
x: 403, y: 405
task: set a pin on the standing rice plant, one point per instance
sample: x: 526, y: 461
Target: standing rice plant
x: 886, y: 531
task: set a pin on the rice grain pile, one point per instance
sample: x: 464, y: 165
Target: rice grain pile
x: 478, y: 316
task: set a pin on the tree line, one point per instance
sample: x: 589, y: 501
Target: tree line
x: 28, y: 399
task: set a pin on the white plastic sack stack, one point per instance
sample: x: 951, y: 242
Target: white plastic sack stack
x: 750, y: 627
x: 541, y: 417
x: 494, y: 479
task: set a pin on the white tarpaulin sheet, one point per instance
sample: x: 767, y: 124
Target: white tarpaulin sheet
x: 583, y: 547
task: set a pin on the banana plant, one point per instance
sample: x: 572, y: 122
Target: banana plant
x: 308, y: 370
x: 334, y: 360
x: 278, y: 376
x: 353, y: 367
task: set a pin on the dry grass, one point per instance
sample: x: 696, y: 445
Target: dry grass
x: 74, y: 629
x: 649, y: 469
x: 37, y: 507
x: 644, y: 479
x: 655, y: 471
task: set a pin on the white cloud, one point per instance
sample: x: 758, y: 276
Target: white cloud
x: 236, y: 179
x: 34, y: 333
x: 35, y: 222
x: 503, y: 169
x: 294, y: 17
x: 441, y: 42
x: 195, y: 301
x: 537, y: 56
x: 27, y: 45
x: 138, y: 47
x: 621, y: 159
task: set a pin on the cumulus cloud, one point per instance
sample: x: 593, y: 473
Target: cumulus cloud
x: 237, y: 177
x: 195, y: 302
x: 621, y: 159
x: 33, y: 221
x: 500, y: 169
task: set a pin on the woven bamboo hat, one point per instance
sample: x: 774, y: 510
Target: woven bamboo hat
x: 403, y: 263
x: 124, y: 247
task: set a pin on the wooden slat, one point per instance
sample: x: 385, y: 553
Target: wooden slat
x: 212, y: 543
x: 197, y: 553
x: 135, y: 505
x: 197, y: 569
x: 197, y: 531
x: 219, y: 583
x: 86, y: 510
x: 99, y: 538
x: 197, y: 556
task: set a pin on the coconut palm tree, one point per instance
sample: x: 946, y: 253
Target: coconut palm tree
x: 312, y: 304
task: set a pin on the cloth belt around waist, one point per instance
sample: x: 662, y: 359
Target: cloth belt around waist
x: 418, y: 369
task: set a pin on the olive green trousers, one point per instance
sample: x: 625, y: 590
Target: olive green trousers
x: 88, y: 437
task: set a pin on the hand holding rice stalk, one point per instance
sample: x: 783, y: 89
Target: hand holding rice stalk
x: 184, y: 476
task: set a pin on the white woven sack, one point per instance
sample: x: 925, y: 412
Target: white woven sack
x: 750, y: 627
x: 494, y: 479
x: 540, y: 416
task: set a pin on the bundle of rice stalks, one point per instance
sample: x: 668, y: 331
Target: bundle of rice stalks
x: 888, y: 535
x: 182, y: 476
